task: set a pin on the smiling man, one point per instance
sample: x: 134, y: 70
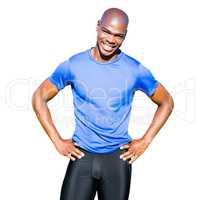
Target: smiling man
x: 112, y: 29
x: 103, y: 80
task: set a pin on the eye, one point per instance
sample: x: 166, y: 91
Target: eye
x: 105, y: 31
x: 120, y: 36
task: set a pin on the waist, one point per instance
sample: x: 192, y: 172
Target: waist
x: 117, y: 151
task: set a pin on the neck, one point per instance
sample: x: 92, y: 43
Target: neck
x: 99, y: 57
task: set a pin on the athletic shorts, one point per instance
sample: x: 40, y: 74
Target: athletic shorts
x: 106, y: 175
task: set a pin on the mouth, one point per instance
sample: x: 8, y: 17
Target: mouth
x: 107, y: 47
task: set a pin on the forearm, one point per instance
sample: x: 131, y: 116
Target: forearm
x: 160, y: 117
x: 43, y: 114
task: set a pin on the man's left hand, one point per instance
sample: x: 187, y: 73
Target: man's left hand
x: 135, y: 148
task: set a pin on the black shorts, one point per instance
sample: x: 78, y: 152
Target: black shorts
x: 106, y: 174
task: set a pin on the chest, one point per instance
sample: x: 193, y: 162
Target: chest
x: 112, y: 86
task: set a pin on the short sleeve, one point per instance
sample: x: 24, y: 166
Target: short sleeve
x: 146, y: 83
x: 61, y: 76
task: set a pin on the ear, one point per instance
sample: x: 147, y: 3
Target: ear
x: 126, y: 32
x: 98, y: 24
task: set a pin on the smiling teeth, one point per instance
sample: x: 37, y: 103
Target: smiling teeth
x: 108, y: 48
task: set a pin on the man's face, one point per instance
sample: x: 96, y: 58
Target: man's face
x: 110, y: 36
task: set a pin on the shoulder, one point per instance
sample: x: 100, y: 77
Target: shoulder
x: 130, y: 60
x: 137, y: 65
x: 80, y: 56
x: 131, y: 63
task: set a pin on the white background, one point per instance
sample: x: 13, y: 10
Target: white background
x: 36, y: 36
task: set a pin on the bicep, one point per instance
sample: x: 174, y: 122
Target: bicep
x: 160, y: 95
x: 47, y: 90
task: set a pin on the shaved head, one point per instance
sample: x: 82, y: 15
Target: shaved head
x: 111, y: 32
x: 115, y: 16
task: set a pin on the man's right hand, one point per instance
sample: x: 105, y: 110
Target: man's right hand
x: 68, y: 148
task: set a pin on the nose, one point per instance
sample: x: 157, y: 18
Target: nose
x: 111, y: 39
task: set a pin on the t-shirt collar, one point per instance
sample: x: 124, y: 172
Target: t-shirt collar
x: 104, y: 63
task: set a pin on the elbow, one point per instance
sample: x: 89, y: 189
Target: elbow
x: 37, y: 101
x: 169, y: 103
x: 34, y: 100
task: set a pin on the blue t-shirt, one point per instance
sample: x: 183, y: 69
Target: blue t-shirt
x: 102, y: 97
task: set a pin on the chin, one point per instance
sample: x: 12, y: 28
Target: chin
x: 106, y: 53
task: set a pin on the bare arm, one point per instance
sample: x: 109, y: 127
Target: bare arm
x: 45, y: 92
x: 165, y: 106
